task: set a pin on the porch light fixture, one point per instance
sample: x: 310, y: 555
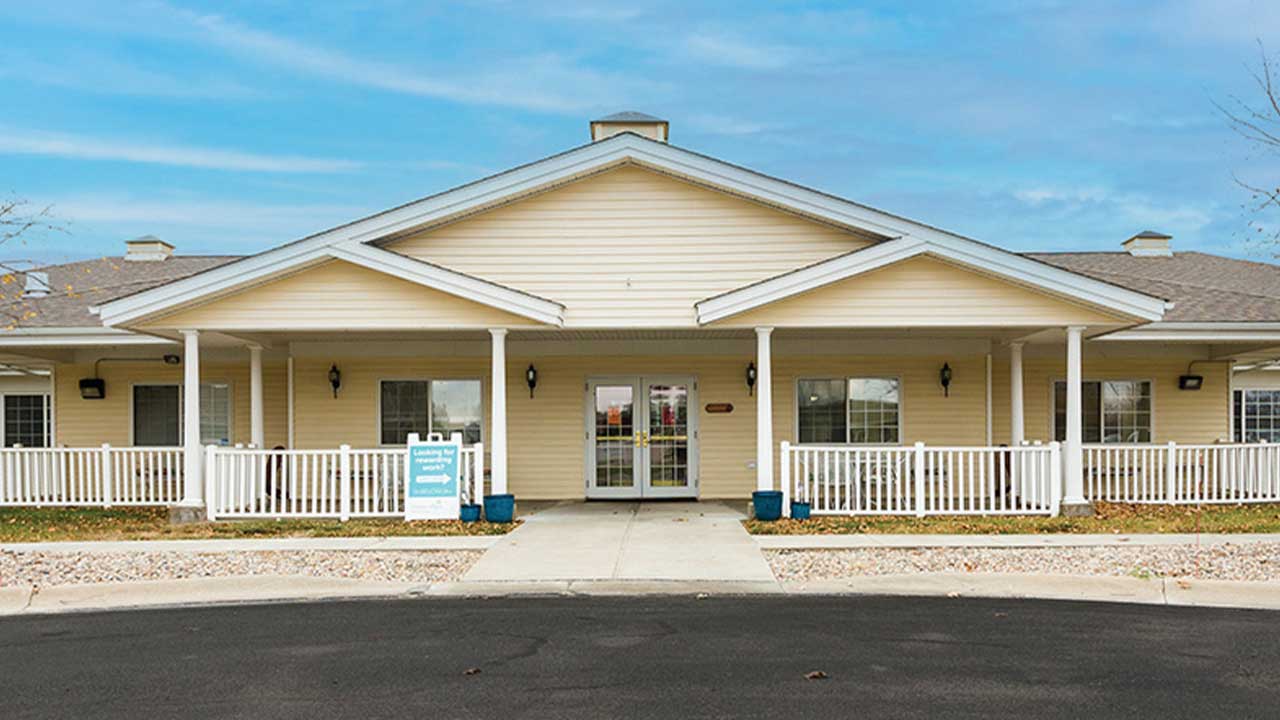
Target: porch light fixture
x: 944, y: 377
x: 335, y: 379
x: 751, y: 378
x: 93, y: 388
x: 1190, y: 382
x: 531, y: 377
x: 172, y: 360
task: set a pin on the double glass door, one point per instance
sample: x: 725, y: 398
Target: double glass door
x: 642, y: 437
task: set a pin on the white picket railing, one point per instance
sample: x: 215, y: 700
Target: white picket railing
x: 920, y: 480
x: 103, y: 476
x: 342, y: 483
x: 1176, y: 474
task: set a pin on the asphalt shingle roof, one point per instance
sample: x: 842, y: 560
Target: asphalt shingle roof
x: 75, y: 286
x: 1204, y: 288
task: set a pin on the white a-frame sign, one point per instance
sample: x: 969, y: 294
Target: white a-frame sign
x: 432, y: 469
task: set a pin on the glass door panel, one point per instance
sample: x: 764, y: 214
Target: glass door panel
x: 614, y: 440
x: 668, y: 436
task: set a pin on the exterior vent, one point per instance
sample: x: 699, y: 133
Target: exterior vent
x: 1149, y: 243
x: 37, y: 284
x: 147, y: 248
x: 629, y: 121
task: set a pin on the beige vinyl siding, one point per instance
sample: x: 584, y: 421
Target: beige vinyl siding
x: 546, y: 434
x: 87, y: 423
x: 921, y: 291
x: 1199, y: 416
x: 343, y: 296
x: 629, y: 247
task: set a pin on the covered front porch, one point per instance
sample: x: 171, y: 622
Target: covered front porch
x: 852, y: 420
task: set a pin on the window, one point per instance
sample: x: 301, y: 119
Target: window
x: 1113, y: 411
x: 215, y: 414
x: 849, y: 410
x: 26, y: 420
x: 157, y: 415
x: 427, y: 406
x: 456, y: 407
x: 1257, y: 415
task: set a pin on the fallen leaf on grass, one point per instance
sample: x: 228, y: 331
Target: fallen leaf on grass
x: 471, y: 671
x: 815, y: 675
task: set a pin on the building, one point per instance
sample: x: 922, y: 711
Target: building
x: 630, y: 319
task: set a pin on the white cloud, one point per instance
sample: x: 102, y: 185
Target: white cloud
x: 734, y: 52
x: 22, y: 142
x: 546, y: 82
x: 726, y: 125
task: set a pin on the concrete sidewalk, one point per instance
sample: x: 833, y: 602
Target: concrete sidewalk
x: 260, y: 589
x: 443, y: 542
x: 624, y: 542
x: 846, y: 542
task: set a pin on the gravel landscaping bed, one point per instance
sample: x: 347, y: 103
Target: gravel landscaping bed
x: 47, y: 569
x: 1253, y: 561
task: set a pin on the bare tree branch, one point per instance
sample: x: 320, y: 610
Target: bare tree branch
x: 1259, y: 123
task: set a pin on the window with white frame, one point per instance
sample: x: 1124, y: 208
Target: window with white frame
x: 854, y: 410
x: 157, y: 415
x: 1257, y: 415
x: 26, y: 420
x: 427, y: 406
x: 1112, y: 411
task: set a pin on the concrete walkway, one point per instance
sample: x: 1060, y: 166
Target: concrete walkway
x: 850, y: 542
x: 392, y: 542
x: 654, y: 541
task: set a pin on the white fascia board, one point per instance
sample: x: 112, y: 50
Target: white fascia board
x: 1198, y: 333
x: 454, y: 283
x: 203, y: 285
x: 75, y: 337
x: 965, y: 252
x: 805, y: 279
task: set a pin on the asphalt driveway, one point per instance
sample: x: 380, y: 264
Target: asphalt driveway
x: 652, y: 657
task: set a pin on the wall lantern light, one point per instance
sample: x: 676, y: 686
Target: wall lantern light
x: 751, y: 378
x: 531, y: 377
x: 1190, y: 382
x: 944, y: 377
x: 172, y: 360
x: 335, y: 379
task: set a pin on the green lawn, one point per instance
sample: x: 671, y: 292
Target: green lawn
x: 1109, y: 518
x: 84, y: 523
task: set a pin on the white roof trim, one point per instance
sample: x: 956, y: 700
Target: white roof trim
x: 75, y: 336
x: 624, y: 147
x: 143, y: 304
x: 454, y: 283
x: 965, y: 252
x: 1201, y: 332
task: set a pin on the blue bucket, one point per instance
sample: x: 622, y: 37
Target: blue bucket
x: 768, y: 504
x: 469, y: 513
x: 499, y: 508
x: 799, y: 510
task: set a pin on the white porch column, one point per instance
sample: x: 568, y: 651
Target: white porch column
x: 192, y: 457
x: 257, y: 436
x: 1073, y: 501
x: 498, y: 413
x: 1017, y: 426
x: 764, y: 409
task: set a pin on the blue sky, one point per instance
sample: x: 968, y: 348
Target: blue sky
x: 232, y: 127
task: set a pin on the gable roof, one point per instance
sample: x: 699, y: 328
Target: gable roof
x: 354, y: 238
x: 76, y: 286
x: 1202, y: 287
x: 978, y: 256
